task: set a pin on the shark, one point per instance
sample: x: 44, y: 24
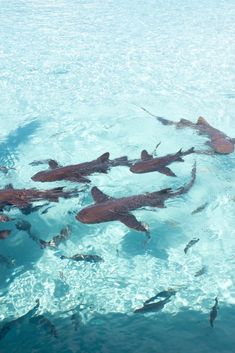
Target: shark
x: 24, y: 197
x: 6, y: 327
x: 219, y: 142
x: 79, y: 172
x: 108, y: 209
x: 147, y: 163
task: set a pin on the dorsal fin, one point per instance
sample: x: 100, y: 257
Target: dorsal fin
x: 104, y: 157
x: 8, y: 187
x: 99, y: 196
x: 53, y: 164
x: 202, y: 121
x: 179, y: 152
x: 145, y: 156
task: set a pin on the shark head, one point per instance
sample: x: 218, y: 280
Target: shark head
x: 222, y: 145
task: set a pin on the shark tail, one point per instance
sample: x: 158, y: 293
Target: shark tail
x: 121, y: 161
x: 187, y: 187
x: 180, y: 153
x: 54, y: 194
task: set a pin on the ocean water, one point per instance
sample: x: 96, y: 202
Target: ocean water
x: 73, y: 76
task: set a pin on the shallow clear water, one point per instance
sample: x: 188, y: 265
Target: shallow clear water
x: 73, y: 75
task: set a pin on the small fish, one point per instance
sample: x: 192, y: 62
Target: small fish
x: 164, y: 294
x: 23, y: 225
x: 9, y: 325
x: 200, y: 208
x: 46, y: 210
x: 191, y: 243
x: 43, y: 322
x: 201, y: 272
x: 81, y: 257
x: 4, y: 218
x: 56, y: 240
x: 213, y: 312
x: 153, y: 307
x: 4, y: 234
x: 76, y: 321
x: 7, y: 261
x: 5, y: 170
x: 29, y: 209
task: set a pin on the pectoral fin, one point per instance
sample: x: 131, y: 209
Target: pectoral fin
x: 99, y: 196
x: 167, y: 171
x: 130, y: 221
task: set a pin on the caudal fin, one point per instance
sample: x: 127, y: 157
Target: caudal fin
x: 54, y: 194
x: 187, y: 187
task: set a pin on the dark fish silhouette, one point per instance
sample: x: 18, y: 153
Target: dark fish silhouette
x: 53, y: 243
x: 219, y: 142
x: 148, y: 163
x: 79, y: 172
x: 9, y: 325
x: 24, y: 197
x: 201, y: 272
x: 57, y: 239
x: 6, y: 261
x: 82, y: 257
x: 23, y: 225
x: 4, y: 234
x: 4, y: 169
x: 163, y: 294
x: 30, y: 208
x: 200, y: 208
x: 191, y: 243
x: 213, y: 312
x: 108, y: 209
x: 153, y: 307
x: 44, y: 323
x: 4, y: 218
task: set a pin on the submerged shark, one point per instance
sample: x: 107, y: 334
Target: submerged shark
x: 148, y: 163
x: 219, y: 141
x: 108, y: 209
x: 24, y: 197
x: 79, y: 172
x: 153, y: 307
x: 14, y: 323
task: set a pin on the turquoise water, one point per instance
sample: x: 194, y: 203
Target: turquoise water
x: 72, y: 75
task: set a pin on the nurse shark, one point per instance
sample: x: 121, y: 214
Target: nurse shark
x: 218, y: 141
x: 79, y: 172
x: 24, y: 197
x: 108, y: 209
x: 147, y: 163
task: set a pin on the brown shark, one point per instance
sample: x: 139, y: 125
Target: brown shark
x: 148, y: 163
x: 79, y: 172
x: 219, y: 141
x: 24, y: 197
x: 108, y: 209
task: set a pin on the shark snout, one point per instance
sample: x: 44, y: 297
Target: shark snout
x: 222, y: 146
x: 83, y: 217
